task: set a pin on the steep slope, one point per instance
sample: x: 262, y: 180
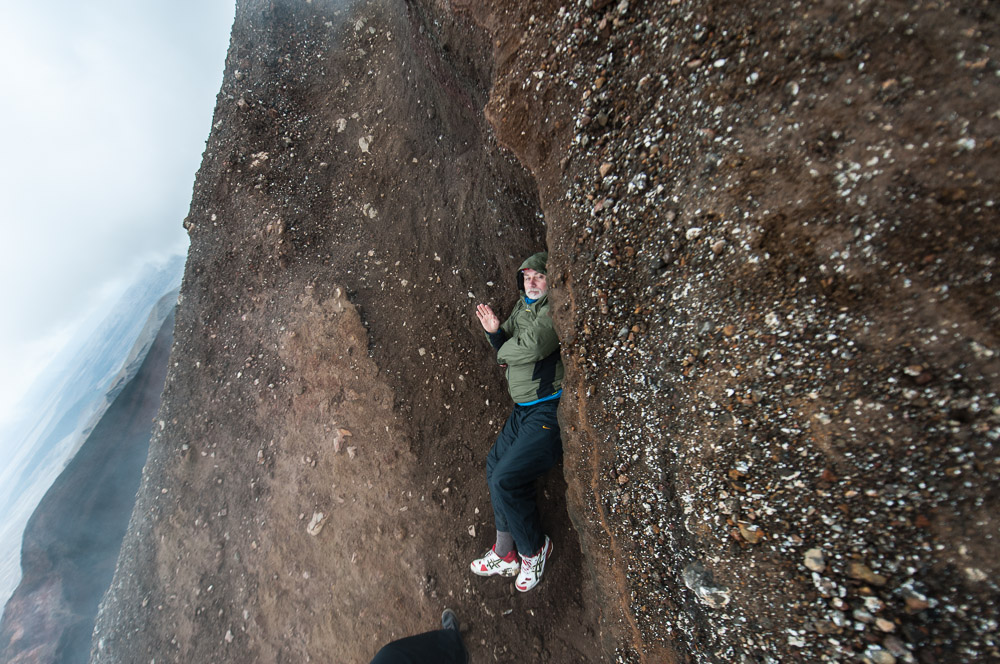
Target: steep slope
x: 350, y: 201
x: 772, y: 232
x: 72, y: 539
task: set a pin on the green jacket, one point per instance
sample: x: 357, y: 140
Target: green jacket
x: 527, y: 343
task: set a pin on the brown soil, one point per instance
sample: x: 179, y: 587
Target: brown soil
x: 772, y: 234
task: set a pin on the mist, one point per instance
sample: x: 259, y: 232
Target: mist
x: 110, y: 104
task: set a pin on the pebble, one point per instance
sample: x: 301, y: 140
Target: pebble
x: 975, y: 574
x: 751, y: 532
x: 885, y: 625
x: 878, y: 656
x: 825, y: 586
x: 874, y: 604
x: 895, y: 646
x: 316, y: 523
x: 863, y: 616
x: 965, y: 144
x: 338, y: 439
x: 699, y: 580
x: 814, y: 560
x: 825, y: 627
x: 861, y: 572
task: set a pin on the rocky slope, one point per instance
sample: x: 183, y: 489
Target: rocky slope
x: 772, y: 233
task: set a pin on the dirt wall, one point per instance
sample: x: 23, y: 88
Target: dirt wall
x: 772, y: 232
x: 775, y: 230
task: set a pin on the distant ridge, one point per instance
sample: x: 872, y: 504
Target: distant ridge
x: 163, y: 309
x: 72, y: 539
x: 64, y: 404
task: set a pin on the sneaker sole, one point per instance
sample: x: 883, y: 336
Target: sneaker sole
x: 507, y: 572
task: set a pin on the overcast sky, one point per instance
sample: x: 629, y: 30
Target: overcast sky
x: 105, y: 107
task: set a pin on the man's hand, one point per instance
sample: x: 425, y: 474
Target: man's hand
x: 488, y: 319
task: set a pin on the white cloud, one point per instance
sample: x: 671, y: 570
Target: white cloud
x: 107, y: 106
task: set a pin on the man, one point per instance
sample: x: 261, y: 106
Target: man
x: 529, y: 443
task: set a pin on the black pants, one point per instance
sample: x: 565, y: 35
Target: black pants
x: 528, y: 445
x: 442, y: 646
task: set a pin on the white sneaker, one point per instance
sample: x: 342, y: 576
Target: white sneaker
x: 532, y: 567
x: 491, y: 564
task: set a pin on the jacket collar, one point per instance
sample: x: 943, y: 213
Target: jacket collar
x: 537, y: 303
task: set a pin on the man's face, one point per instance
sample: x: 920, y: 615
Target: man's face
x: 535, y: 284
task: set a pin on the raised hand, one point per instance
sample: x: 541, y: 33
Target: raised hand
x: 489, y: 320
